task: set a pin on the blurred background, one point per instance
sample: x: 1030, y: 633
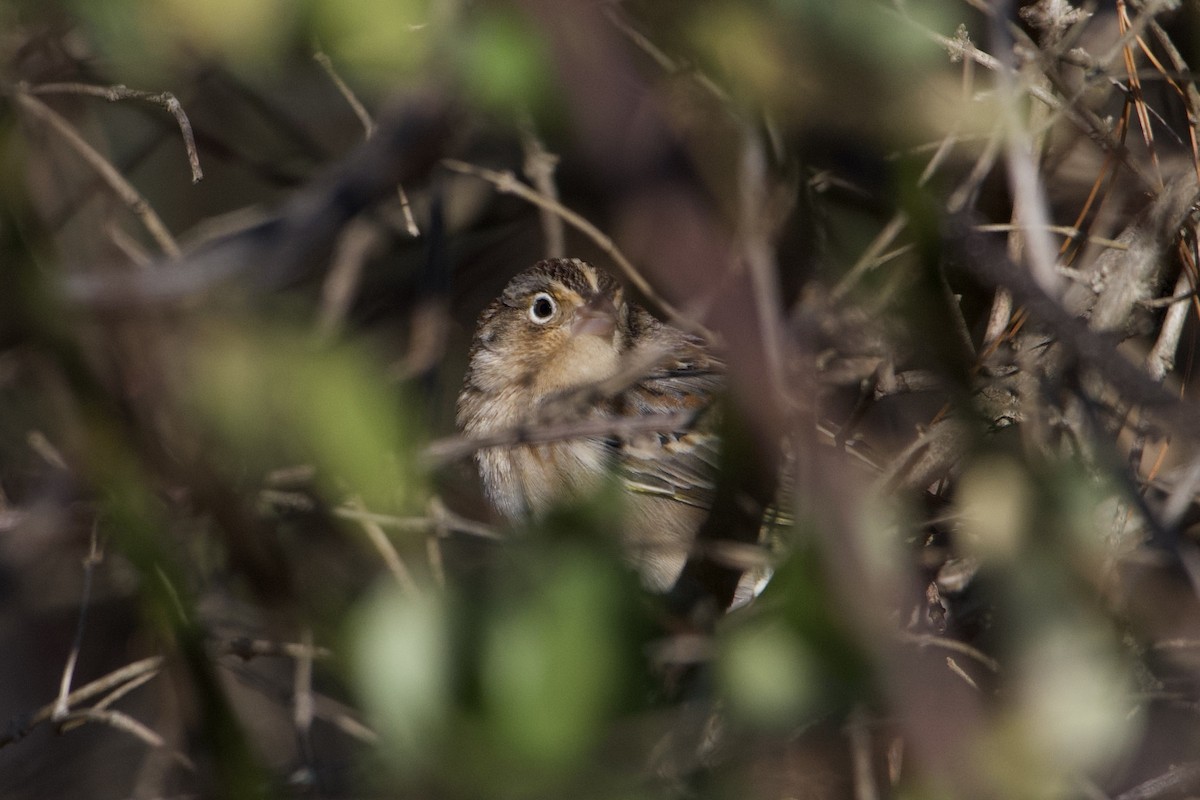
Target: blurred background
x: 948, y: 248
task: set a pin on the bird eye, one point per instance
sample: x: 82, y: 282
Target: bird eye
x: 542, y: 308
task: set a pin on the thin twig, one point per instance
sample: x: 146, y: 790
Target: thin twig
x: 108, y: 173
x: 507, y: 183
x: 302, y: 691
x: 360, y: 111
x: 1161, y: 358
x: 123, y: 722
x: 445, y: 450
x: 368, y: 123
x: 929, y: 640
x: 119, y: 92
x: 387, y: 551
x: 358, y: 242
x: 860, y: 749
x: 94, y: 557
x: 539, y: 169
x: 19, y: 728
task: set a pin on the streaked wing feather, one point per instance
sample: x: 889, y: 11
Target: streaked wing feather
x: 679, y: 465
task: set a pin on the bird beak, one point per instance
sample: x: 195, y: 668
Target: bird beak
x: 597, y: 317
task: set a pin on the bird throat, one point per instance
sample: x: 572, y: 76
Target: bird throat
x: 581, y: 361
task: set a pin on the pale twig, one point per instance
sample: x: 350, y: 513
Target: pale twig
x: 128, y: 245
x: 40, y: 444
x: 387, y: 551
x: 445, y: 520
x: 360, y: 111
x: 507, y: 183
x: 755, y: 239
x: 666, y: 62
x: 860, y: 749
x: 923, y: 640
x: 953, y: 666
x: 118, y: 92
x: 871, y: 256
x: 123, y: 722
x: 539, y: 168
x: 1069, y: 231
x: 357, y: 242
x: 124, y: 689
x: 368, y: 123
x: 1021, y: 147
x: 302, y: 691
x: 1161, y: 358
x: 108, y: 173
x: 246, y: 649
x: 454, y: 447
x: 19, y: 728
x: 94, y: 557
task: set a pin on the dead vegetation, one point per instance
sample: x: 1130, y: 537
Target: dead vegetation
x: 950, y: 249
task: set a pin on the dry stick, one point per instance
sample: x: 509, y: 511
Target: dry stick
x: 1190, y: 95
x: 953, y: 666
x: 124, y: 689
x: 123, y: 722
x: 246, y: 649
x: 1178, y: 781
x: 860, y: 749
x: 539, y: 168
x: 94, y: 557
x: 116, y: 93
x: 871, y: 256
x: 20, y: 728
x: 368, y: 123
x: 1021, y: 146
x: 1083, y: 118
x: 355, y: 245
x: 443, y: 520
x: 1068, y: 231
x: 668, y: 64
x: 760, y: 258
x: 928, y: 640
x: 387, y: 551
x: 507, y: 183
x: 983, y: 165
x: 1161, y: 358
x: 130, y: 247
x: 454, y: 447
x: 108, y: 173
x: 1135, y: 89
x: 303, y: 705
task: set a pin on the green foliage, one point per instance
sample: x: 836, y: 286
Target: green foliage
x: 276, y: 399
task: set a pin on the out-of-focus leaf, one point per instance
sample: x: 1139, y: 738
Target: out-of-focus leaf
x: 401, y: 664
x: 505, y: 63
x: 277, y: 399
x: 767, y: 674
x: 143, y: 37
x: 996, y: 501
x: 552, y: 663
x: 378, y: 40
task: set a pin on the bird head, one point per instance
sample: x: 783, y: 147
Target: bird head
x: 556, y: 326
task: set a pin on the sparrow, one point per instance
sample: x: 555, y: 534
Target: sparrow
x: 562, y: 344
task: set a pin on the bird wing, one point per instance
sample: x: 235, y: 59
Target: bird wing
x: 680, y: 464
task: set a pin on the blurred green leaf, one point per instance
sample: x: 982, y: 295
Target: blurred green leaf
x: 505, y: 63
x: 380, y: 41
x: 767, y: 674
x: 552, y: 664
x: 401, y: 664
x: 278, y: 399
x: 142, y: 38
